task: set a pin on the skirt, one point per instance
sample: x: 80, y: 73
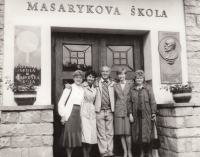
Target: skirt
x: 122, y: 126
x: 71, y: 131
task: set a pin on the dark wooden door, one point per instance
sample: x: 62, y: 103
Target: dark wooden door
x: 122, y: 51
x: 72, y: 51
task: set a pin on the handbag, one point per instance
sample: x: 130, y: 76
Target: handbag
x: 155, y: 142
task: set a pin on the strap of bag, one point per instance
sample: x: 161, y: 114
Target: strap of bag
x: 68, y: 96
x: 154, y: 129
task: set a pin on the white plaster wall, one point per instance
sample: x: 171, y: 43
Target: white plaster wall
x: 16, y: 13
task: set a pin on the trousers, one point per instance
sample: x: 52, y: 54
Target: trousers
x: 105, y: 132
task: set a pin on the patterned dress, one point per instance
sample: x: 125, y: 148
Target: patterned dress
x: 88, y: 115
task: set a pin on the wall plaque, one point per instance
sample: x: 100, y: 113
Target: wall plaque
x: 170, y: 57
x: 27, y: 55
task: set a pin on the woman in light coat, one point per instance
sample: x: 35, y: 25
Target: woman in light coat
x: 89, y: 130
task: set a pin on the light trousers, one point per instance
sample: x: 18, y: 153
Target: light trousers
x: 105, y: 132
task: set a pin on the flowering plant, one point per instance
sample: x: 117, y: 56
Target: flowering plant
x: 19, y: 85
x: 178, y: 87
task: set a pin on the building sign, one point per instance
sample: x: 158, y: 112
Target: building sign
x: 170, y: 57
x: 27, y: 60
x: 91, y: 9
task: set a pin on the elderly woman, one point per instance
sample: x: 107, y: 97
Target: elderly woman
x: 69, y: 108
x: 121, y: 119
x: 142, y: 110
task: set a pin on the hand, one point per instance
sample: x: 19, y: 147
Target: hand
x: 131, y: 118
x: 153, y: 117
x: 88, y: 98
x: 68, y: 86
x: 63, y: 120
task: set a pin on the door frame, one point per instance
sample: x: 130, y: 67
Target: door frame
x: 99, y: 58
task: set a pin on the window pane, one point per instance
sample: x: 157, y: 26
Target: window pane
x: 116, y: 54
x: 80, y: 54
x: 73, y: 54
x: 116, y: 61
x: 123, y: 55
x: 123, y: 61
x: 81, y: 61
x: 73, y: 61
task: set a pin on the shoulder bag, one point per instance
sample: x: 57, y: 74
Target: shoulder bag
x: 155, y: 142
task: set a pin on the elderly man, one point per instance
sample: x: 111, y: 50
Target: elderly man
x: 172, y: 55
x: 104, y: 106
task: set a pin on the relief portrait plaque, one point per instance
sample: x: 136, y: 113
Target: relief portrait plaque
x: 170, y: 57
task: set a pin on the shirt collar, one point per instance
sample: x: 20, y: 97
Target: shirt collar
x: 124, y: 82
x: 143, y: 87
x: 102, y: 80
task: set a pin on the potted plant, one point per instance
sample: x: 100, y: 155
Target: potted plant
x: 24, y: 92
x: 181, y: 93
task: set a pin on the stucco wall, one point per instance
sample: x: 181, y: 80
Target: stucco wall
x: 192, y: 22
x: 1, y: 46
x: 16, y: 13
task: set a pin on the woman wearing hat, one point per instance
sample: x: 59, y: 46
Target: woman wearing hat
x: 69, y: 108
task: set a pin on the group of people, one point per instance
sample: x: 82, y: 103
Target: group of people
x: 95, y: 110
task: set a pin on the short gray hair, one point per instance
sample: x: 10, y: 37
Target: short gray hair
x: 78, y: 73
x: 105, y: 66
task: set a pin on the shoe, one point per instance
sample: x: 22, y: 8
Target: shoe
x: 130, y: 155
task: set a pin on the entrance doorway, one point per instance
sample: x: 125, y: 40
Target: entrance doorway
x: 73, y: 51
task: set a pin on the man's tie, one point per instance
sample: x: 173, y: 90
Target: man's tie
x: 105, y: 95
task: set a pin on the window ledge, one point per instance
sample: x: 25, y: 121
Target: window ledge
x: 174, y: 105
x: 25, y: 108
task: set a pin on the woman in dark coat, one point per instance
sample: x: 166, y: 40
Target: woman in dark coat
x: 142, y: 110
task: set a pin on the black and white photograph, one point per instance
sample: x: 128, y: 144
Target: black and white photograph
x: 99, y: 78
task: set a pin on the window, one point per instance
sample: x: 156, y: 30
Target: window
x: 120, y: 56
x: 76, y: 57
